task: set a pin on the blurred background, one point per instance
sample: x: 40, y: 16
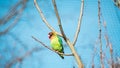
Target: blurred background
x: 20, y: 20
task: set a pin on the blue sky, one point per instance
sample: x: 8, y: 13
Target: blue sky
x: 30, y: 24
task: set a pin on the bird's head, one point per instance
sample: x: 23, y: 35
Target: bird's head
x: 51, y: 34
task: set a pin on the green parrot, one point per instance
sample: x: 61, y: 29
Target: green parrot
x: 56, y: 43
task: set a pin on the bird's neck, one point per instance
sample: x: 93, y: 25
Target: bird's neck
x: 53, y: 37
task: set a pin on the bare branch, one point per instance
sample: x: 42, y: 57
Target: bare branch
x: 76, y: 56
x: 20, y: 59
x: 111, y: 55
x: 50, y: 48
x: 16, y: 19
x: 18, y: 40
x: 108, y: 44
x: 9, y: 27
x: 11, y: 13
x: 117, y: 3
x: 79, y: 22
x: 100, y: 35
x: 12, y: 25
x: 59, y: 21
x: 80, y: 65
x: 44, y: 19
x: 93, y: 56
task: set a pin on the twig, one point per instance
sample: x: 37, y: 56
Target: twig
x: 108, y: 44
x: 20, y: 59
x: 79, y: 22
x: 44, y: 19
x: 11, y: 13
x: 100, y: 30
x: 117, y: 3
x: 15, y: 21
x: 59, y: 21
x: 18, y: 40
x: 11, y: 26
x: 111, y: 54
x: 93, y: 56
x: 50, y: 48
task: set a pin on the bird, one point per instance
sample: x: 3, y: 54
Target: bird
x: 56, y: 43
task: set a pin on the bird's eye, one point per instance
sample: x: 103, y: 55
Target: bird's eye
x: 51, y: 34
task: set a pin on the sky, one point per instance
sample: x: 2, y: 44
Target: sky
x: 18, y: 40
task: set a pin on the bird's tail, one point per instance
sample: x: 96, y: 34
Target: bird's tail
x: 61, y: 56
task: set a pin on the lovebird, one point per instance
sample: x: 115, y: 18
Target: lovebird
x: 56, y: 43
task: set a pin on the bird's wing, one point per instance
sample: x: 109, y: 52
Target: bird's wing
x: 61, y: 43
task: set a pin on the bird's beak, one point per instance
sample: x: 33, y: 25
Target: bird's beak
x: 48, y: 36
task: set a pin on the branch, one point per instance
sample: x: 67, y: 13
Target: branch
x: 12, y: 25
x: 16, y: 19
x: 108, y: 44
x: 76, y: 56
x: 11, y: 13
x: 93, y: 57
x: 20, y: 59
x: 18, y: 40
x: 51, y: 48
x: 79, y: 22
x: 44, y: 19
x: 100, y: 34
x: 59, y: 21
x: 117, y: 3
x: 111, y: 55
